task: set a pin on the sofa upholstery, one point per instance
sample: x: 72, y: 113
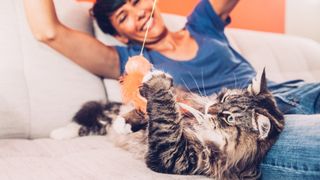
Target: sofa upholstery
x: 41, y: 90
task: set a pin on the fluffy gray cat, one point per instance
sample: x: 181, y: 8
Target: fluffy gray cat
x: 224, y: 136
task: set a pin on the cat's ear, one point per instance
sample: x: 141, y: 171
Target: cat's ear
x: 259, y: 84
x: 263, y: 125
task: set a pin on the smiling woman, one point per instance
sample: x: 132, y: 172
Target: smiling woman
x: 130, y: 22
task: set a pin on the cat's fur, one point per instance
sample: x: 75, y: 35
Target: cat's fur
x: 223, y: 136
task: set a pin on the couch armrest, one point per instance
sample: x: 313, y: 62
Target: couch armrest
x: 285, y: 57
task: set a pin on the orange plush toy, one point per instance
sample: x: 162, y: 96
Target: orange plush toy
x: 136, y: 68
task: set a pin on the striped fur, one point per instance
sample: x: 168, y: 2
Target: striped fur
x: 227, y: 140
x: 228, y: 143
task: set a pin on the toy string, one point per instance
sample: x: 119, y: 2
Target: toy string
x: 148, y: 26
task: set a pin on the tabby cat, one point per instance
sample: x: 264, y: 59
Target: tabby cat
x: 224, y: 136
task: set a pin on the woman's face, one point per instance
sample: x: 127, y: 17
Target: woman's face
x: 130, y: 21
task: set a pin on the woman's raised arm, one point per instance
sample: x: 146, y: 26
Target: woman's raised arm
x: 80, y: 47
x: 223, y: 7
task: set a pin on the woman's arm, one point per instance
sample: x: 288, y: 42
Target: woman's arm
x: 223, y: 7
x: 80, y: 47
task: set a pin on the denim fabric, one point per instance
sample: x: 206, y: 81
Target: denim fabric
x: 297, y: 97
x: 296, y: 154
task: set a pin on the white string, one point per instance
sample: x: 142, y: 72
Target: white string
x: 148, y: 26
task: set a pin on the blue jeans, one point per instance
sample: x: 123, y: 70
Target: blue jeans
x: 296, y: 154
x: 297, y: 97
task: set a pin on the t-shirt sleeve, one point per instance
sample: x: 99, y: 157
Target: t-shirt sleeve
x: 204, y: 18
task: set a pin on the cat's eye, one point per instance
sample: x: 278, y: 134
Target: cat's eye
x: 230, y: 118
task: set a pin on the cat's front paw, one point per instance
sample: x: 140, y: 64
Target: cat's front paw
x: 155, y: 81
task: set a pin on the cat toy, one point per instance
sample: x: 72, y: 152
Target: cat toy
x: 135, y: 69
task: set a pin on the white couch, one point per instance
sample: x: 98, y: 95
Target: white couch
x: 41, y: 90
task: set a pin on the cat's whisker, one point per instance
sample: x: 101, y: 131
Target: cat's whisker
x: 197, y: 114
x: 200, y: 99
x: 186, y: 86
x: 196, y: 83
x: 189, y: 115
x: 235, y: 80
x: 204, y: 89
x: 245, y: 83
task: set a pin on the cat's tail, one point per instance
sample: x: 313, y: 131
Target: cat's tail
x: 94, y: 118
x: 67, y: 132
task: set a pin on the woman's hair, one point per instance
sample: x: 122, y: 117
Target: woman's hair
x: 102, y: 10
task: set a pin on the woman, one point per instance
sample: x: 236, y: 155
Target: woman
x: 198, y: 57
x: 126, y: 20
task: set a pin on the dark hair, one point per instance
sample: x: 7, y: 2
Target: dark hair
x: 102, y: 10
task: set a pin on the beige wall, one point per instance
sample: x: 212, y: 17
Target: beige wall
x: 303, y: 18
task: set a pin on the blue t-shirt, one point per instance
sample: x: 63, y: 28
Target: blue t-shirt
x: 216, y: 64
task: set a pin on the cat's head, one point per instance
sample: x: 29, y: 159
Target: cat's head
x: 253, y: 110
x: 248, y: 119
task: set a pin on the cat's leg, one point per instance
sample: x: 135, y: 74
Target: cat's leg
x: 167, y: 146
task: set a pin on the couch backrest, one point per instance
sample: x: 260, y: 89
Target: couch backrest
x: 40, y: 89
x: 285, y: 57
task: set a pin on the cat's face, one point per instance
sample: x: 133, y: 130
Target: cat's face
x: 246, y: 117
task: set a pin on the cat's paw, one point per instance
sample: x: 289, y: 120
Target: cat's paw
x: 156, y: 74
x: 154, y: 81
x: 120, y: 126
x: 66, y: 132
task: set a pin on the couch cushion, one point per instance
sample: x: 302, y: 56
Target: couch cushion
x: 40, y: 89
x: 75, y: 159
x: 14, y: 99
x: 94, y: 157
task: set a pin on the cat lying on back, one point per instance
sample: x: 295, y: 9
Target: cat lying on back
x: 224, y: 136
